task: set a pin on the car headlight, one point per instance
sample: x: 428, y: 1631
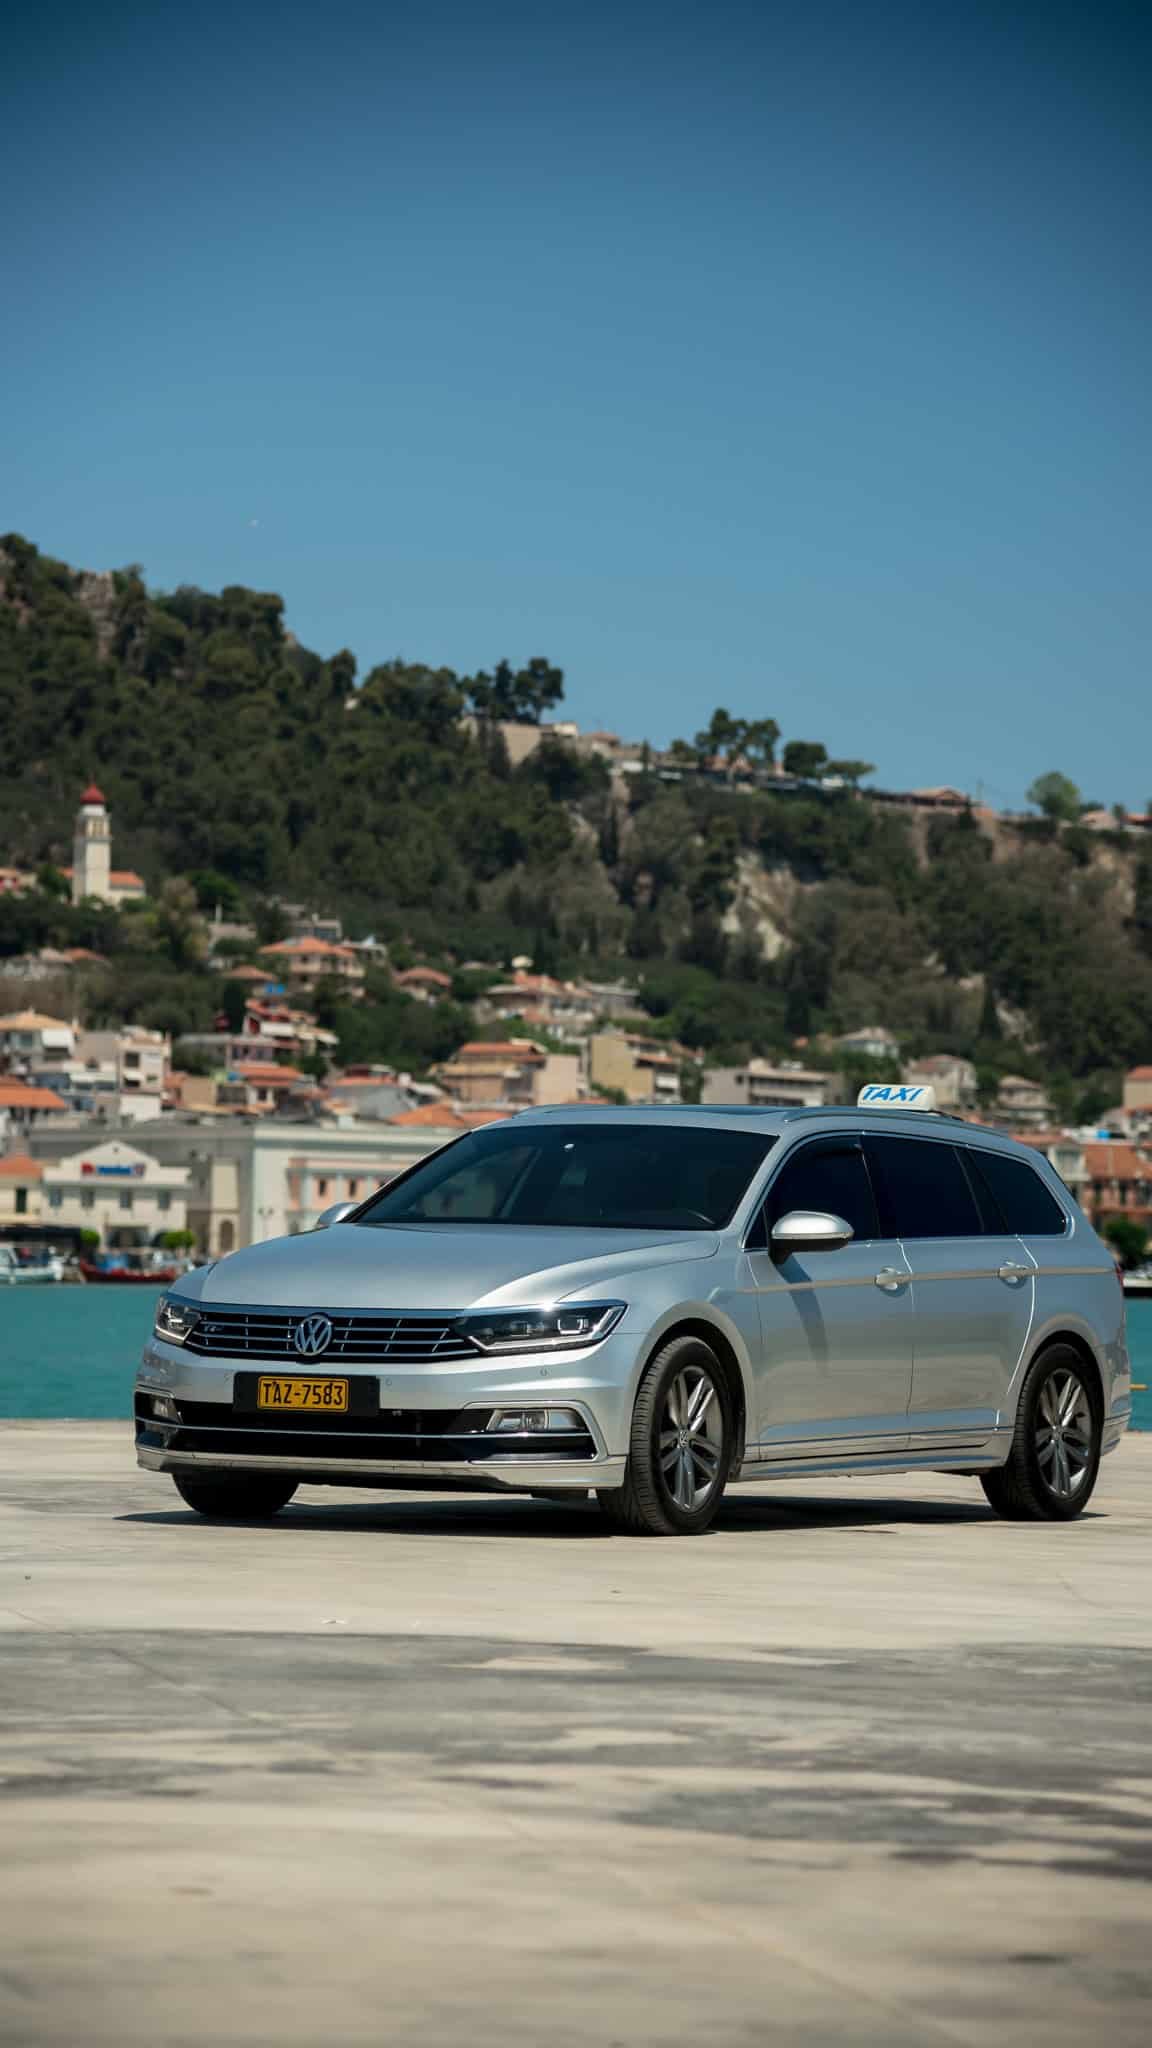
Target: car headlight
x: 541, y: 1329
x: 175, y: 1319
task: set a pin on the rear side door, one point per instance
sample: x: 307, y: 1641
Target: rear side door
x: 836, y: 1327
x: 973, y: 1285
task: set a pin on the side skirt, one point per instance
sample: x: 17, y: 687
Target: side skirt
x: 970, y: 1459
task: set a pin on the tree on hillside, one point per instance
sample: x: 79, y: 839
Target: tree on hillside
x: 722, y: 738
x: 1057, y: 796
x: 760, y: 737
x: 731, y: 739
x: 805, y: 758
x: 850, y: 771
x: 516, y: 696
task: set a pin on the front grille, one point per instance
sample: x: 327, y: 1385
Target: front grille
x: 359, y: 1421
x: 357, y: 1339
x: 400, y: 1450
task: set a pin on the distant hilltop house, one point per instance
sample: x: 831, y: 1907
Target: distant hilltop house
x: 569, y: 1009
x: 425, y: 984
x: 301, y: 963
x: 91, y: 874
x: 872, y: 1041
x: 952, y: 1077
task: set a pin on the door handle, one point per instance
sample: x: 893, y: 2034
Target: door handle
x: 1012, y: 1272
x: 891, y: 1279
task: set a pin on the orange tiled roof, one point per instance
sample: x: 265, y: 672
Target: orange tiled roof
x: 446, y: 1117
x: 1116, y: 1160
x: 18, y: 1166
x: 423, y: 974
x: 124, y: 878
x: 15, y: 1095
x: 294, y: 949
x: 1139, y: 1074
x: 33, y: 1020
x: 500, y: 1049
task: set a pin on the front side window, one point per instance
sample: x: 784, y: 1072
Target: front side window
x: 1027, y: 1206
x: 830, y: 1179
x: 926, y: 1188
x: 611, y: 1176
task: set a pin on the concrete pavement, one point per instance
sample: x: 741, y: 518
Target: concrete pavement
x: 863, y: 1766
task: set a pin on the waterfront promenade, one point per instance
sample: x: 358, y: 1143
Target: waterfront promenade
x: 865, y: 1766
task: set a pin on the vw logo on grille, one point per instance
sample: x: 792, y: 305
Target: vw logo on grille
x: 312, y: 1336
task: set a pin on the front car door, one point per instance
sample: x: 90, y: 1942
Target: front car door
x: 973, y: 1286
x: 836, y: 1326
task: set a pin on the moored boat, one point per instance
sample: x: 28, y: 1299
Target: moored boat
x: 122, y: 1269
x: 20, y: 1268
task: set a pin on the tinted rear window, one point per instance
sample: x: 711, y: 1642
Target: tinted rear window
x: 1027, y: 1206
x: 833, y: 1180
x: 926, y: 1188
x: 584, y: 1176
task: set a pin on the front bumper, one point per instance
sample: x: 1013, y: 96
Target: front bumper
x: 495, y: 1475
x: 421, y: 1427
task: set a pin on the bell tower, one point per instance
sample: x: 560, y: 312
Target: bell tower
x: 92, y: 849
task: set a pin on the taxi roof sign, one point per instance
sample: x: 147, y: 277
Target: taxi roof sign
x: 896, y: 1095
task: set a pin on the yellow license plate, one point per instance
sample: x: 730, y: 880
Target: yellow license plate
x: 302, y: 1393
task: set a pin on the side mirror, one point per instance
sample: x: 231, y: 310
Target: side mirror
x: 809, y: 1230
x: 335, y: 1214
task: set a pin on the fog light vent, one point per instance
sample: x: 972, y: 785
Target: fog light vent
x: 164, y: 1408
x: 533, y: 1421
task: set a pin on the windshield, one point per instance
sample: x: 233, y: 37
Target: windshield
x: 617, y: 1177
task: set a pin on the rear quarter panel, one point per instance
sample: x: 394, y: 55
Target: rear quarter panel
x: 1078, y: 1294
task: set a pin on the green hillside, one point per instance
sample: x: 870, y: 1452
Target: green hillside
x: 235, y: 757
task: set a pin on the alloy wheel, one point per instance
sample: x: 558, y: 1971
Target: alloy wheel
x: 1064, y: 1433
x: 691, y: 1437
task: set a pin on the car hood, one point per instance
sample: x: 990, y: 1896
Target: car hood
x: 442, y: 1266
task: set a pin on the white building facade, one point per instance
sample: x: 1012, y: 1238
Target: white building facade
x: 241, y: 1182
x: 125, y: 1195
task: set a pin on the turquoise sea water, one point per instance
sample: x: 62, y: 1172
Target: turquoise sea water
x: 73, y: 1350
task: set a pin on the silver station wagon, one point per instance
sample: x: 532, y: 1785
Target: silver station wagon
x: 646, y: 1304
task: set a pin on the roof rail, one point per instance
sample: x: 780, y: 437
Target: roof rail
x: 779, y: 1110
x: 851, y: 1108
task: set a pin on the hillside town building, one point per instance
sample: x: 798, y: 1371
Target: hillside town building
x: 639, y: 1068
x: 760, y: 1084
x: 302, y: 963
x: 511, y: 1073
x: 20, y: 1189
x: 953, y: 1078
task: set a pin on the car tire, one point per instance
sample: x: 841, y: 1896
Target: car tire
x: 1055, y: 1457
x: 244, y: 1498
x: 680, y: 1446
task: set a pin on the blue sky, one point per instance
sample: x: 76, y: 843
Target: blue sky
x: 793, y: 358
